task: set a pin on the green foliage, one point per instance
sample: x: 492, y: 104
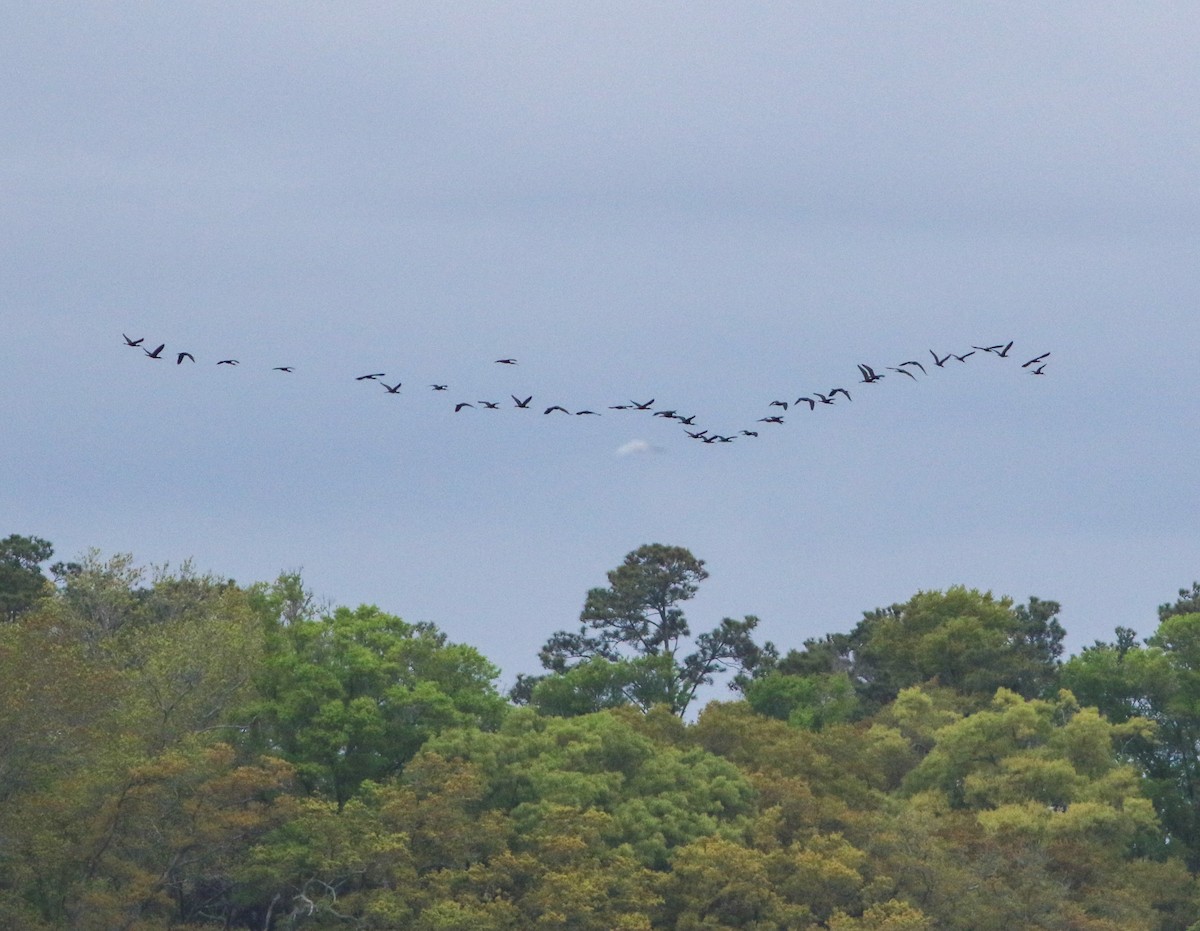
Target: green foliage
x: 1158, y: 682
x: 962, y: 639
x: 1188, y: 602
x: 811, y: 701
x: 631, y: 642
x: 21, y: 579
x: 145, y: 716
x: 352, y: 695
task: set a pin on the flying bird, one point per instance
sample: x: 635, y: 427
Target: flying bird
x: 1040, y: 370
x: 749, y: 433
x: 783, y: 404
x: 519, y: 402
x: 834, y: 391
x: 942, y: 361
x: 392, y: 389
x: 595, y: 413
x: 157, y: 354
x: 439, y: 387
x: 184, y: 355
x: 919, y: 365
x: 696, y: 436
x: 770, y: 419
x: 370, y: 377
x: 868, y: 374
x: 506, y: 361
x: 664, y: 414
x: 965, y: 356
x: 491, y: 405
x: 811, y: 403
x: 1003, y: 353
x: 458, y: 407
x: 902, y: 371
x: 642, y: 407
x: 1024, y: 366
x: 687, y: 421
x: 283, y: 368
x: 556, y: 407
x: 133, y: 342
x: 228, y: 362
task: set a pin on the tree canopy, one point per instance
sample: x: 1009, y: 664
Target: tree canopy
x: 630, y: 645
x: 179, y: 751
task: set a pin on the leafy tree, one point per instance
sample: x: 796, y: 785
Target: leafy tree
x: 352, y: 695
x: 1160, y: 682
x: 806, y: 701
x: 21, y: 579
x: 597, y: 683
x: 1188, y: 602
x: 963, y: 639
x: 657, y: 797
x: 637, y: 627
x: 1034, y: 796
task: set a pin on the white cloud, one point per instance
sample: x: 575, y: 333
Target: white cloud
x: 637, y: 447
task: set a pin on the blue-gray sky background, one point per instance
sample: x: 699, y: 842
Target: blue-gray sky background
x: 714, y: 205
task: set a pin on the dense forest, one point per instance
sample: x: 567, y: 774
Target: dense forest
x: 182, y: 751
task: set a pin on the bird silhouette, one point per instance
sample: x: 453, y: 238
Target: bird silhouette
x: 868, y: 374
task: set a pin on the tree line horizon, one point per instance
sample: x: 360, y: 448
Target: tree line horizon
x: 181, y: 751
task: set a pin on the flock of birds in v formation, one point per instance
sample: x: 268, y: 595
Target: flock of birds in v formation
x: 868, y: 376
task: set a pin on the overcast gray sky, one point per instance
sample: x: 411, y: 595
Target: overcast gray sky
x: 714, y: 205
